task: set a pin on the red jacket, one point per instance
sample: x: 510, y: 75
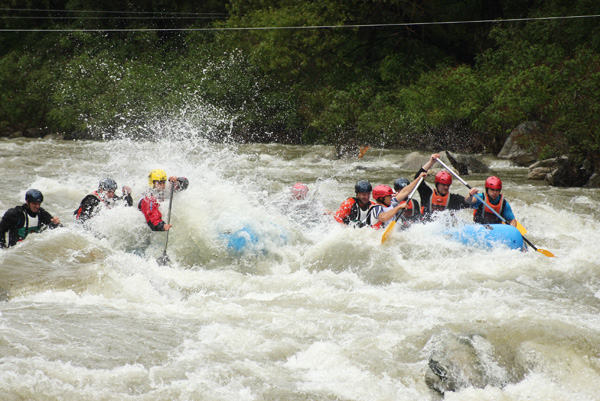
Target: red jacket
x: 150, y: 206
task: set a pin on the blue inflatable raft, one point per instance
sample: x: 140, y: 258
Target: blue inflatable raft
x: 488, y: 235
x: 249, y: 240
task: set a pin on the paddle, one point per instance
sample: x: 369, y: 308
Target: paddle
x: 390, y: 228
x: 542, y: 251
x: 164, y: 259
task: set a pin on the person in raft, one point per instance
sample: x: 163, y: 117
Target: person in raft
x: 104, y: 197
x: 354, y: 210
x: 492, y: 196
x: 440, y: 198
x: 23, y: 220
x: 412, y: 211
x: 150, y: 203
x: 383, y: 211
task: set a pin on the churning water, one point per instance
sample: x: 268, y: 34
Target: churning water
x: 311, y: 310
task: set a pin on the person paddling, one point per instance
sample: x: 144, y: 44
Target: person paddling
x: 440, y: 198
x: 412, y: 211
x: 387, y: 204
x: 496, y: 201
x: 150, y: 203
x: 21, y: 221
x: 105, y: 196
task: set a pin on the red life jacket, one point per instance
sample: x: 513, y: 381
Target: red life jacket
x: 438, y: 202
x: 484, y: 215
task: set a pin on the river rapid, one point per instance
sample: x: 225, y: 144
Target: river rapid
x: 312, y: 310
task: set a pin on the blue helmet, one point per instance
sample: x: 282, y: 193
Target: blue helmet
x: 33, y: 195
x: 400, y: 184
x: 108, y: 184
x: 363, y: 186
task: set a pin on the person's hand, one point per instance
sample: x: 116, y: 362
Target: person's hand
x: 55, y: 220
x: 173, y: 178
x: 435, y: 156
x: 126, y: 190
x: 423, y: 175
x: 473, y: 192
x: 167, y: 227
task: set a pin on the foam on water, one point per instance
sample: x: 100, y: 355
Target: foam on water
x: 314, y: 311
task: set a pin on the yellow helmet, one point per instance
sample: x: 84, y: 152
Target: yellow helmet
x: 156, y: 175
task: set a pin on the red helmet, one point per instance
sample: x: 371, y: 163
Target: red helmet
x: 493, y: 182
x: 381, y: 191
x: 299, y: 191
x: 443, y: 177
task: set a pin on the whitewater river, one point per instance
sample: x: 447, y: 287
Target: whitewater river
x: 311, y: 310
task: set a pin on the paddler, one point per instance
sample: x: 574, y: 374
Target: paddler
x: 387, y: 204
x: 492, y: 196
x: 440, y: 198
x: 412, y: 211
x: 28, y: 218
x: 150, y: 203
x: 104, y: 197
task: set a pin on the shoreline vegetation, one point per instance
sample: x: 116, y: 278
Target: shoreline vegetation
x: 86, y: 71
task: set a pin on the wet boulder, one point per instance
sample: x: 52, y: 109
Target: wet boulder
x: 467, y: 164
x: 513, y: 151
x: 561, y: 172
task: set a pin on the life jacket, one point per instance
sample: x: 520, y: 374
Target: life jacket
x: 409, y: 210
x: 357, y: 214
x: 483, y: 215
x: 32, y: 225
x: 438, y: 202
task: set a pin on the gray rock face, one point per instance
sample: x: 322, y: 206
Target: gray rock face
x: 512, y: 151
x: 561, y: 172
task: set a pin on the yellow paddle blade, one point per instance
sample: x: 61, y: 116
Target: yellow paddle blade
x: 388, y: 231
x: 521, y: 229
x: 545, y: 252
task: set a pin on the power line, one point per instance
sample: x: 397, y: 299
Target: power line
x: 107, y: 12
x: 353, y: 26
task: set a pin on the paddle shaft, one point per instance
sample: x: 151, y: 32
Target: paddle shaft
x: 169, y: 216
x: 401, y: 211
x: 547, y: 253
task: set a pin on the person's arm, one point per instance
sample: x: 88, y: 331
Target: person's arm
x: 49, y: 220
x: 6, y: 224
x: 385, y: 216
x: 153, y: 216
x: 401, y: 195
x: 85, y: 210
x: 127, y: 196
x: 508, y: 214
x: 470, y: 199
x: 181, y: 183
x: 343, y: 211
x: 432, y: 160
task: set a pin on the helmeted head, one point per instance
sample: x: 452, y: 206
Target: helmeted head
x: 156, y: 175
x: 381, y: 191
x: 33, y: 195
x: 107, y: 184
x: 493, y: 182
x: 299, y: 191
x: 443, y: 177
x: 400, y: 184
x: 362, y: 187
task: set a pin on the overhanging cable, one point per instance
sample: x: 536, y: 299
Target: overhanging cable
x: 353, y: 26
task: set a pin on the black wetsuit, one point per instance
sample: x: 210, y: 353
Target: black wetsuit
x: 89, y: 206
x: 455, y: 201
x: 16, y: 222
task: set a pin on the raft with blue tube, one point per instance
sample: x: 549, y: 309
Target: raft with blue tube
x: 250, y: 239
x: 487, y: 235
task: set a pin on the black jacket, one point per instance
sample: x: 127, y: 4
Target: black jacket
x: 89, y: 206
x: 17, y: 218
x: 455, y: 201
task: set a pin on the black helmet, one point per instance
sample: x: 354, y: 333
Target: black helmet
x: 400, y: 183
x: 33, y: 195
x: 108, y: 184
x: 363, y: 186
